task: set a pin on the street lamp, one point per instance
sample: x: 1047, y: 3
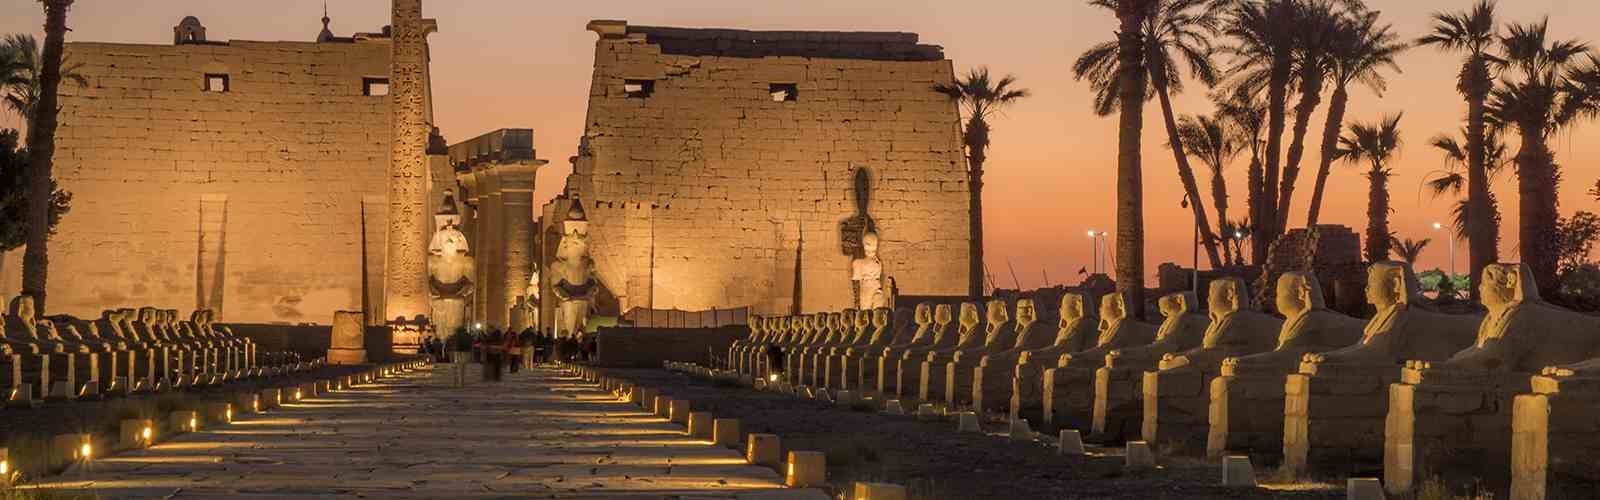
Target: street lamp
x: 1094, y: 245
x: 1440, y: 227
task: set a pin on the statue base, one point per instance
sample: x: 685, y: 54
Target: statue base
x: 347, y: 356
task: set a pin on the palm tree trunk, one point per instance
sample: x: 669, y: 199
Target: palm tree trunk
x: 1219, y: 197
x: 1377, y: 247
x: 1310, y: 98
x: 975, y: 226
x: 1536, y: 188
x: 1254, y: 201
x: 1483, y: 221
x: 1208, y: 237
x: 41, y: 150
x: 1130, y: 182
x: 1330, y: 148
x: 1266, y: 231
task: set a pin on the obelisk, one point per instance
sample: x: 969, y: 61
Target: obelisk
x: 405, y: 286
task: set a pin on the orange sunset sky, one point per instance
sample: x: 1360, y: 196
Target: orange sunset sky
x: 527, y: 63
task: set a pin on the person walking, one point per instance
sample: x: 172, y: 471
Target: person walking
x: 493, y: 355
x: 460, y: 354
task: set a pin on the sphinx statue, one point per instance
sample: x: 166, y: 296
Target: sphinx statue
x: 1000, y: 335
x: 1073, y: 328
x: 969, y: 336
x: 1518, y: 339
x: 737, y: 350
x: 991, y: 382
x: 907, y: 360
x: 834, y: 368
x: 1523, y: 333
x: 22, y: 329
x: 888, y: 359
x: 865, y: 353
x: 573, y: 271
x: 1246, y: 399
x: 1176, y: 397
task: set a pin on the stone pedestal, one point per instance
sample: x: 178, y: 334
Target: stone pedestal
x: 1334, y: 415
x: 1449, y: 423
x: 958, y: 377
x: 348, y: 344
x: 1246, y: 413
x: 1118, y: 404
x: 991, y: 385
x: 1555, y: 440
x: 1176, y: 409
x: 1067, y: 399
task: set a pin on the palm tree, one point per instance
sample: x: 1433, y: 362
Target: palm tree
x: 41, y: 151
x: 1264, y: 41
x: 21, y: 69
x: 1360, y: 49
x: 1453, y: 179
x: 1545, y: 92
x: 1474, y: 33
x: 1234, y: 234
x: 1247, y: 118
x: 1207, y: 138
x: 1184, y: 27
x: 1318, y: 26
x: 1374, y: 144
x: 980, y: 97
x: 1130, y: 77
x: 1409, y: 249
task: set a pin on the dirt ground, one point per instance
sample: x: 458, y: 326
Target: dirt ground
x: 935, y: 462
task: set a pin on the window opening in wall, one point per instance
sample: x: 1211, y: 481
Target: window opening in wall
x: 638, y: 88
x: 784, y: 92
x: 374, y: 86
x: 216, y: 82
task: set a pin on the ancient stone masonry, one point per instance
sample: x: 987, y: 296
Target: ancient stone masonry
x: 719, y: 166
x: 227, y: 175
x: 406, y: 273
x: 497, y: 172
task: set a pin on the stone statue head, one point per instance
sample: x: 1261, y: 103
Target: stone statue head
x: 863, y: 319
x: 1227, y: 296
x: 924, y: 314
x: 1112, y: 308
x: 1025, y: 313
x: 1390, y: 283
x: 969, y: 315
x: 448, y: 242
x: 880, y: 317
x: 869, y: 245
x: 997, y: 313
x: 1071, y: 307
x: 836, y: 321
x: 1175, y: 305
x: 1507, y: 285
x: 22, y: 308
x: 1298, y: 293
x: 942, y: 315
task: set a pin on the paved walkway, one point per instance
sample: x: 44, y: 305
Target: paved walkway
x: 537, y: 434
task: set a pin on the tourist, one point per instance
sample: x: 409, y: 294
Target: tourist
x: 512, y: 347
x: 493, y: 345
x: 460, y: 354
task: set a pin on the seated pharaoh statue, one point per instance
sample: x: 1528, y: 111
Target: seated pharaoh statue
x: 1520, y: 336
x: 921, y: 329
x: 906, y: 361
x: 991, y: 378
x: 930, y: 366
x: 1246, y: 400
x: 1176, y: 401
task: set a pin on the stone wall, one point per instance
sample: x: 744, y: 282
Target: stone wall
x: 248, y: 201
x: 710, y: 191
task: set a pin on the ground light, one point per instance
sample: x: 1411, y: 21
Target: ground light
x: 85, y: 452
x: 146, y: 434
x: 772, y: 377
x: 194, y: 424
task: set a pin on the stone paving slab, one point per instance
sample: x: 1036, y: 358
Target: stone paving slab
x: 537, y: 434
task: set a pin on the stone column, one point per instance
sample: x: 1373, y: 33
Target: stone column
x: 496, y: 303
x: 516, y: 199
x: 406, y: 267
x: 471, y: 226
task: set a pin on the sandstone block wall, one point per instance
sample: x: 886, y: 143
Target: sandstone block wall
x: 709, y: 193
x: 249, y: 201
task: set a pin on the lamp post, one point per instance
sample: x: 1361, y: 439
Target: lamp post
x: 1094, y: 252
x: 1440, y: 227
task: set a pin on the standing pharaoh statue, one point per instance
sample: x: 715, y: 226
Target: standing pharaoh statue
x: 867, y: 272
x: 573, y: 272
x: 450, y: 269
